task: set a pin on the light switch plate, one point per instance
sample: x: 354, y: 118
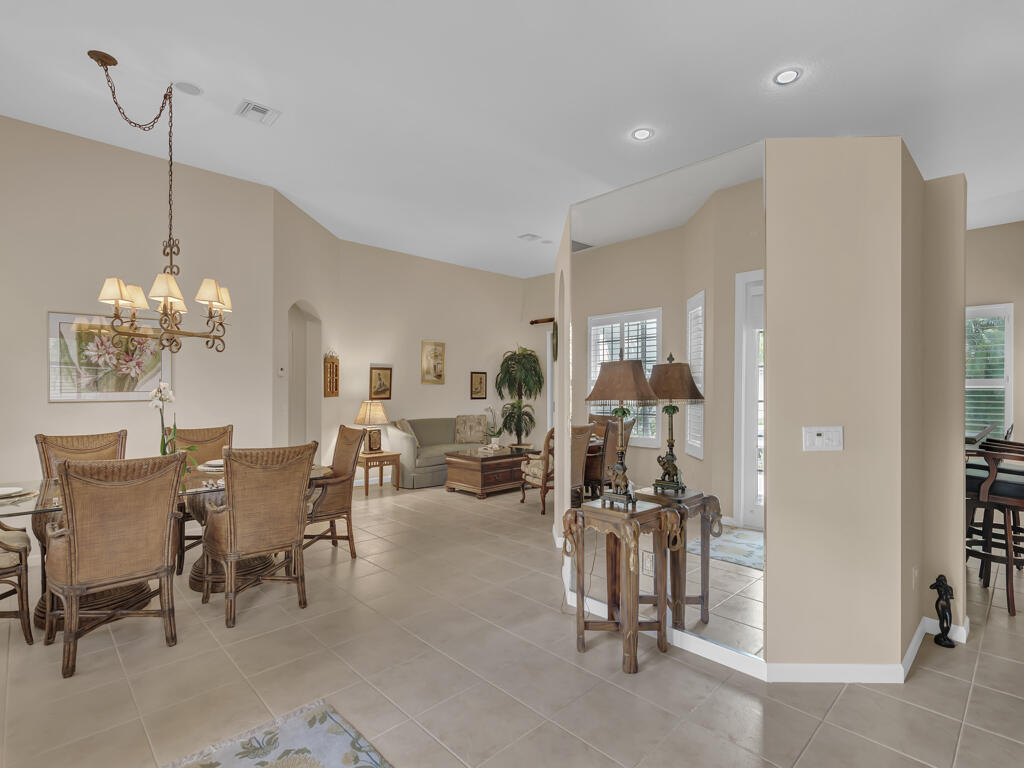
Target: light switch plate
x: 823, y: 438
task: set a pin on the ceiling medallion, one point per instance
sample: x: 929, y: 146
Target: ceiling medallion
x: 165, y: 291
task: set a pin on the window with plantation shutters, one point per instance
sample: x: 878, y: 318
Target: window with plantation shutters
x: 637, y: 336
x: 989, y: 374
x: 695, y: 357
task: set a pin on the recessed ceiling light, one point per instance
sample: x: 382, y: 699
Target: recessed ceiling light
x: 189, y: 88
x: 787, y: 77
x: 642, y: 134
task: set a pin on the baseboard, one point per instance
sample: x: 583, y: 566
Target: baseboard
x: 835, y: 673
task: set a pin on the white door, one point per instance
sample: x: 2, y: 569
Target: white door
x: 749, y: 412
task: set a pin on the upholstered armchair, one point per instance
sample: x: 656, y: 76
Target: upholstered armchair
x: 118, y: 530
x: 334, y: 500
x: 54, y: 448
x: 540, y: 472
x: 209, y: 443
x: 265, y: 513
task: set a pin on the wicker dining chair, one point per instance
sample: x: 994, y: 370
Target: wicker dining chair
x: 14, y: 548
x: 209, y: 443
x: 334, y: 501
x: 53, y: 449
x: 118, y: 530
x: 265, y: 514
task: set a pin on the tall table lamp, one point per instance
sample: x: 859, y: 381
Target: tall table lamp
x: 672, y: 381
x: 621, y: 384
x: 371, y: 413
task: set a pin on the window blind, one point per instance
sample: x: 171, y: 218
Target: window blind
x: 989, y: 367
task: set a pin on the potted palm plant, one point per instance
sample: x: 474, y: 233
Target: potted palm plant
x: 521, y: 377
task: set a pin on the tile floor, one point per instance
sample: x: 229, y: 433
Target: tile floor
x: 447, y: 644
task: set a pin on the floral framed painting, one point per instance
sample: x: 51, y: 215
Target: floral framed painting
x: 87, y: 363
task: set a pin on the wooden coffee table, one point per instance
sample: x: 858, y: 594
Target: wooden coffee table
x: 483, y: 473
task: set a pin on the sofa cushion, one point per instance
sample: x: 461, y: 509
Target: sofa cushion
x: 471, y: 429
x: 434, y: 431
x: 405, y: 426
x: 433, y: 455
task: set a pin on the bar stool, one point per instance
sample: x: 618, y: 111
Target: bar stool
x: 1002, y: 493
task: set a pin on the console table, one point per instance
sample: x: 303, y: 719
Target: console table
x: 622, y: 526
x: 690, y: 504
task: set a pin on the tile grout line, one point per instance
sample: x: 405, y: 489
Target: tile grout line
x: 821, y: 722
x: 131, y: 688
x: 974, y: 677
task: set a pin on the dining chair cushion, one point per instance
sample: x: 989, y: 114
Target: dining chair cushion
x: 17, y: 539
x: 534, y: 470
x: 1005, y: 486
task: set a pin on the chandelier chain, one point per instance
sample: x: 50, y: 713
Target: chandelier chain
x: 171, y: 248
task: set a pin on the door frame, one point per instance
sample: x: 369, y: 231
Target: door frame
x: 739, y: 513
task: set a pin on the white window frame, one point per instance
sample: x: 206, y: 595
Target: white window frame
x: 694, y: 442
x: 624, y: 317
x: 1005, y: 311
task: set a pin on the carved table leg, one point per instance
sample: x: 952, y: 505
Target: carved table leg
x: 578, y: 535
x: 661, y: 582
x: 705, y: 564
x: 630, y: 596
x: 677, y: 559
x: 611, y: 561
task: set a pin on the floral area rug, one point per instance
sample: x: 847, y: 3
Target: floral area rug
x: 735, y: 545
x: 312, y: 737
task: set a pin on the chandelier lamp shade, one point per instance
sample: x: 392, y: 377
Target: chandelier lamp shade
x: 128, y: 300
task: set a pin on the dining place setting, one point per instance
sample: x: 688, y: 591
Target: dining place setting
x: 112, y: 532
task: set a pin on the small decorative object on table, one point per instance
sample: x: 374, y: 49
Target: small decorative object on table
x: 371, y: 412
x: 942, y: 608
x: 672, y: 381
x: 618, y: 383
x: 332, y: 374
x: 494, y: 429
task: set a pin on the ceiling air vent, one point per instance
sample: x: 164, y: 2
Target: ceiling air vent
x: 258, y: 113
x: 528, y: 237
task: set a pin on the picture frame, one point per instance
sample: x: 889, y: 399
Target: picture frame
x: 87, y: 363
x: 432, y: 362
x: 380, y: 382
x: 478, y: 385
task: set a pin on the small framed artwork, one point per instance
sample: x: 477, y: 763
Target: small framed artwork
x: 380, y: 382
x: 478, y: 385
x: 432, y: 362
x: 87, y: 362
x: 332, y: 375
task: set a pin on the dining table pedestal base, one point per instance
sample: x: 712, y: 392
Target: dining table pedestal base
x: 248, y: 570
x: 127, y: 598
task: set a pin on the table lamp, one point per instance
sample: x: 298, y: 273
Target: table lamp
x: 672, y: 381
x: 371, y: 413
x: 622, y: 384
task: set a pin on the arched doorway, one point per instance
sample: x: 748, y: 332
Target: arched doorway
x: 304, y: 356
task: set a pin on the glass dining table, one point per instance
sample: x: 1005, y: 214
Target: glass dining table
x: 201, y: 490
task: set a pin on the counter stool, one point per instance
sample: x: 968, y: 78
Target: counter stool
x: 622, y: 526
x: 998, y: 493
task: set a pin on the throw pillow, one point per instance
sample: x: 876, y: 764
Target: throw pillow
x: 405, y: 426
x: 471, y: 429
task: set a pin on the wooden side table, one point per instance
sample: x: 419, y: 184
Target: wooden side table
x: 690, y: 504
x: 622, y: 526
x: 379, y: 459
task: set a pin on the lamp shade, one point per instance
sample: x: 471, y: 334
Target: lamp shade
x: 165, y: 287
x: 371, y: 412
x: 673, y: 381
x: 209, y: 293
x: 225, y: 299
x: 137, y: 297
x: 114, y: 291
x: 622, y: 380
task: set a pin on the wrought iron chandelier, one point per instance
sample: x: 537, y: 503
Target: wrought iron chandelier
x: 127, y: 299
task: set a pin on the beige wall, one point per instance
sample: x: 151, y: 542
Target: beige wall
x: 73, y: 211
x: 861, y: 250
x: 834, y: 290
x: 376, y: 306
x: 995, y: 275
x: 724, y: 237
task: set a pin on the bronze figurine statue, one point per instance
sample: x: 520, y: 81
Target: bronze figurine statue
x: 945, y: 594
